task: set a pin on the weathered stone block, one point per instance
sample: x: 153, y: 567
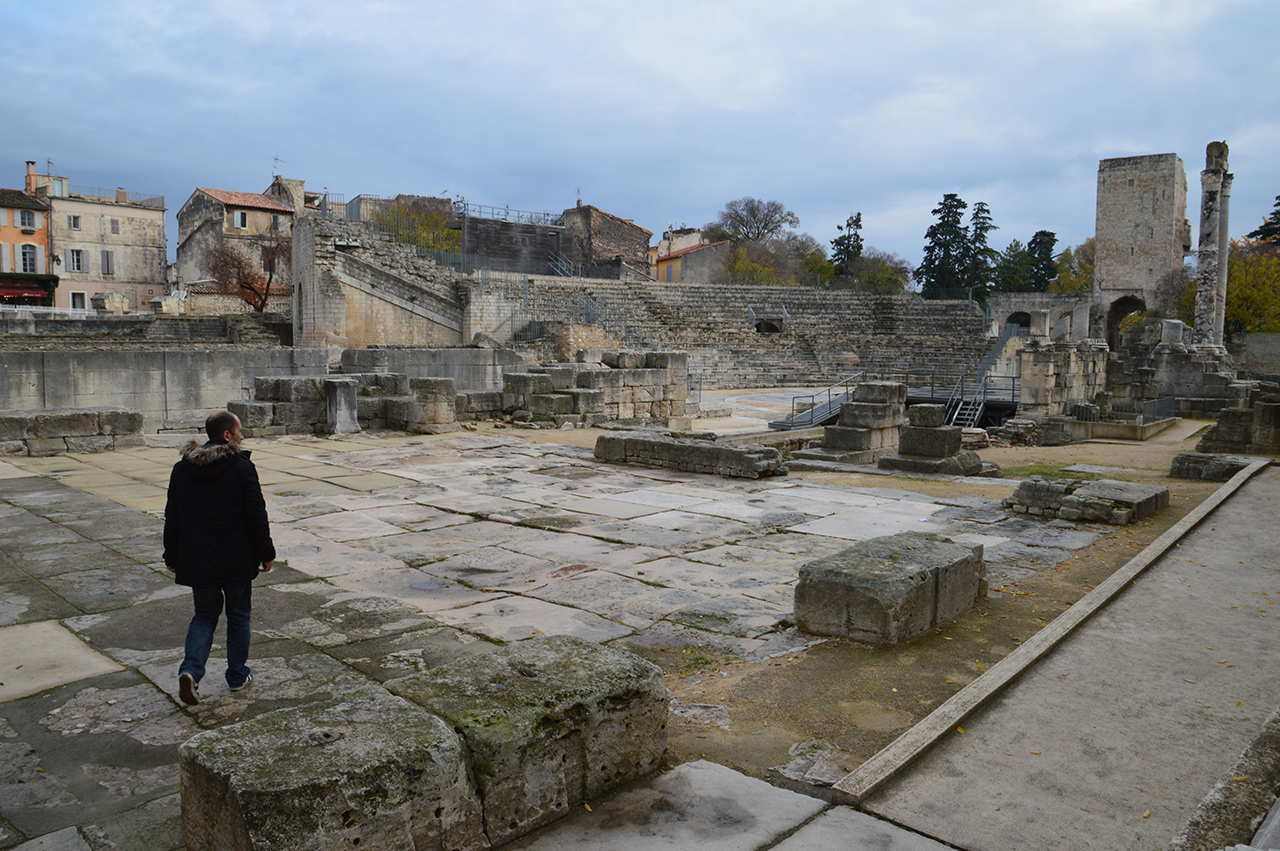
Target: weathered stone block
x: 889, y: 589
x: 373, y: 771
x: 252, y: 414
x: 383, y: 383
x: 90, y: 443
x: 586, y: 401
x: 870, y: 414
x: 69, y: 423
x: 369, y: 408
x: 1143, y: 500
x: 13, y: 447
x: 550, y: 404
x: 127, y: 441
x: 16, y: 426
x: 549, y: 723
x: 287, y: 389
x: 43, y: 447
x: 927, y: 416
x: 891, y: 392
x: 929, y: 442
x: 526, y: 383
x: 563, y: 376
x: 309, y: 412
x: 119, y: 421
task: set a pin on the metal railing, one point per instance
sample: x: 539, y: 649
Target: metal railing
x: 103, y: 194
x: 462, y: 207
x: 816, y: 408
x: 26, y: 312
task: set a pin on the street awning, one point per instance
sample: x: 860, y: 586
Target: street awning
x: 22, y: 292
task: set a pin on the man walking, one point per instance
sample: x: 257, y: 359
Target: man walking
x: 216, y: 537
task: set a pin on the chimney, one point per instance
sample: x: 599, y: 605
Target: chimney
x: 31, y: 177
x: 121, y: 195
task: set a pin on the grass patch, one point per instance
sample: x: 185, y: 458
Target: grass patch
x: 1040, y: 468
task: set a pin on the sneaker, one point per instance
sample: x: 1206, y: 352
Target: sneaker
x: 244, y: 684
x: 188, y: 689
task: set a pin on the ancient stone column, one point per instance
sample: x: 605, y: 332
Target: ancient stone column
x: 1224, y: 252
x: 1212, y: 234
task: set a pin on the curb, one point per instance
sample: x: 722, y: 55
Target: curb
x: 875, y: 772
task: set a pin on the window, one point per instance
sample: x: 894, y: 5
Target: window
x: 78, y: 301
x: 108, y: 262
x: 26, y: 219
x: 75, y: 260
x: 115, y: 226
x: 275, y: 223
x: 29, y: 259
x: 240, y: 219
x: 73, y: 223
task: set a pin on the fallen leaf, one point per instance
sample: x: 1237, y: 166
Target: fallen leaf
x: 1147, y: 814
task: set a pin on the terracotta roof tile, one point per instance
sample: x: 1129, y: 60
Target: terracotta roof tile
x: 252, y: 200
x: 690, y: 250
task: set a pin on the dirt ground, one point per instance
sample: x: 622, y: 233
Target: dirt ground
x: 858, y: 697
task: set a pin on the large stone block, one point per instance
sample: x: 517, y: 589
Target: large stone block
x: 308, y: 412
x: 927, y: 416
x: 870, y: 414
x: 44, y: 447
x: 373, y: 771
x: 892, y: 392
x: 253, y: 414
x: 341, y: 408
x: 887, y: 590
x: 90, y: 443
x: 549, y: 723
x: 549, y: 404
x: 853, y: 439
x: 586, y: 401
x: 526, y: 383
x: 288, y: 388
x: 16, y: 425
x: 69, y: 423
x: 119, y: 421
x: 929, y: 442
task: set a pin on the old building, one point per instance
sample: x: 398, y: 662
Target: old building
x: 103, y: 241
x: 694, y: 264
x: 1143, y: 238
x: 24, y: 250
x: 252, y: 221
x: 605, y: 245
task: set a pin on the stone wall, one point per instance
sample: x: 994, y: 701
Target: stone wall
x: 1058, y: 376
x: 629, y: 387
x: 471, y: 368
x: 594, y: 237
x: 1258, y: 354
x: 56, y: 431
x: 320, y: 405
x: 692, y: 455
x: 1062, y: 307
x: 171, y: 389
x: 522, y: 245
x: 355, y: 287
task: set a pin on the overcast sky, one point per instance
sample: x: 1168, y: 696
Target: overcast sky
x: 655, y: 111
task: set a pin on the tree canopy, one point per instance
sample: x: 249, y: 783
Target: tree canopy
x: 752, y: 220
x: 946, y: 250
x: 248, y: 267
x: 847, y: 247
x: 1075, y: 269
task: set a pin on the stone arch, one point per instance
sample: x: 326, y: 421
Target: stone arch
x: 769, y: 326
x: 1116, y: 312
x: 1020, y: 318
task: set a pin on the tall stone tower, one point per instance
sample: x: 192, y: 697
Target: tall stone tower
x: 1142, y: 239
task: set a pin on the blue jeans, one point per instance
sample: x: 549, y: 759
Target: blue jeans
x: 200, y: 634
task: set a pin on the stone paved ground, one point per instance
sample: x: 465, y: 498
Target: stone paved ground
x: 404, y: 552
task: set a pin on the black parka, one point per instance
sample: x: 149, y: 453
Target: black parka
x: 215, y: 519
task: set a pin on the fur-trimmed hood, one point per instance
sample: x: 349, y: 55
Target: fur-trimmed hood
x: 210, y: 453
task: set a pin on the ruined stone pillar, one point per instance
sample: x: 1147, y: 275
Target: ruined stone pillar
x: 1224, y: 252
x: 1212, y: 235
x: 1040, y: 323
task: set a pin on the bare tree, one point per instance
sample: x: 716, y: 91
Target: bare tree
x: 752, y: 220
x: 247, y: 267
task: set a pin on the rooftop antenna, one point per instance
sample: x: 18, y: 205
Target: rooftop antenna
x: 48, y: 166
x: 275, y: 162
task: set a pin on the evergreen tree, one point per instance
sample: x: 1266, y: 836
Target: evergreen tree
x: 1043, y: 269
x: 978, y: 266
x: 1270, y: 229
x: 946, y: 250
x: 1013, y: 269
x: 847, y: 247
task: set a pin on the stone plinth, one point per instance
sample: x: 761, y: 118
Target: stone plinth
x: 341, y: 409
x: 1201, y: 466
x: 56, y: 431
x: 890, y: 589
x: 868, y: 425
x: 373, y: 771
x: 549, y: 723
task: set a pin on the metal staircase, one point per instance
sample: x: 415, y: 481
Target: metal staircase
x: 821, y: 408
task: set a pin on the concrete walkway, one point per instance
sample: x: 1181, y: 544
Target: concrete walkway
x: 405, y: 552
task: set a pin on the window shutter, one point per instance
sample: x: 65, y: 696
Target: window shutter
x: 4, y: 217
x: 4, y: 258
x: 106, y: 262
x: 40, y: 267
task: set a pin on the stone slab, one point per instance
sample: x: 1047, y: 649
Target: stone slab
x: 42, y: 655
x: 695, y: 805
x: 511, y: 618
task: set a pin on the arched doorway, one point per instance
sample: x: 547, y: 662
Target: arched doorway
x: 1022, y: 319
x: 1116, y: 314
